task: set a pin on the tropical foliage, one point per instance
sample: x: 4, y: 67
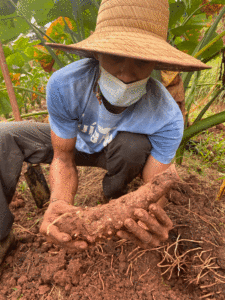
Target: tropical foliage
x: 193, y: 29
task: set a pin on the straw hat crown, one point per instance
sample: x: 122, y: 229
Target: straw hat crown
x: 135, y: 29
x: 149, y: 17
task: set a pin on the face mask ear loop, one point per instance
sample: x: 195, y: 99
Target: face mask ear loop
x: 98, y: 92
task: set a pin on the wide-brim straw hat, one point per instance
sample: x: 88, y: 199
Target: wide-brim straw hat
x: 135, y: 29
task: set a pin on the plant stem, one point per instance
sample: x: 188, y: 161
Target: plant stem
x: 30, y: 115
x: 190, y: 98
x: 202, y: 84
x: 44, y: 34
x: 203, y: 111
x: 25, y: 89
x: 70, y: 32
x: 9, y: 86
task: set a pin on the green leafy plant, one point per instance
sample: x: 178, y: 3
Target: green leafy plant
x: 187, y: 22
x: 28, y: 80
x: 73, y: 21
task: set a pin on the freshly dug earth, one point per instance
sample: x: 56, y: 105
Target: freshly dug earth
x: 192, y: 260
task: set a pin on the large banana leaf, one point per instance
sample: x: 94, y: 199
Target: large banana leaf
x: 177, y: 10
x: 39, y: 9
x: 6, y: 8
x: 11, y: 28
x: 45, y: 11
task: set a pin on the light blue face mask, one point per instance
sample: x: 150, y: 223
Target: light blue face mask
x: 118, y: 93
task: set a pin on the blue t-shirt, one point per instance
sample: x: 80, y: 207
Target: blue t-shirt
x: 74, y: 111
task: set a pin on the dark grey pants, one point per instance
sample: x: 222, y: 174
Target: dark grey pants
x: 124, y: 158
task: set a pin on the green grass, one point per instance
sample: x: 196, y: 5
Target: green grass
x: 23, y: 186
x: 211, y: 154
x: 212, y: 150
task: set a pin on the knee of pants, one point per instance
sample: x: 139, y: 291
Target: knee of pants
x: 133, y: 148
x: 6, y: 221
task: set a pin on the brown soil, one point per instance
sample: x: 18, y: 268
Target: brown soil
x: 192, y: 261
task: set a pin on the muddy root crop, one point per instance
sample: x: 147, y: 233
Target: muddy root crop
x: 96, y: 223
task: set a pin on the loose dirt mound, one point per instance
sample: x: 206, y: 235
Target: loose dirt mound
x: 192, y: 261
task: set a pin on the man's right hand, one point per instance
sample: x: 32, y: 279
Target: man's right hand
x: 51, y: 231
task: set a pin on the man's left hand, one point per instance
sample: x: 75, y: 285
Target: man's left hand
x: 152, y: 228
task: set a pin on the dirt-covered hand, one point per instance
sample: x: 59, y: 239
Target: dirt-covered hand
x: 151, y: 229
x: 54, y: 212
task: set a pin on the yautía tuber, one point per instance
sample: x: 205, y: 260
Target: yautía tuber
x: 95, y: 223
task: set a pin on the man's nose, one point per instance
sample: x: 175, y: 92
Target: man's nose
x: 127, y: 72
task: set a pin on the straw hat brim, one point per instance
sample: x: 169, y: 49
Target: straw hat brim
x: 135, y: 45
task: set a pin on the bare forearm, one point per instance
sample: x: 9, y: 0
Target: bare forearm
x: 152, y: 168
x: 63, y: 180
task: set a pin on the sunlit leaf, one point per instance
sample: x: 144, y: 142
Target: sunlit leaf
x: 15, y: 60
x: 21, y: 43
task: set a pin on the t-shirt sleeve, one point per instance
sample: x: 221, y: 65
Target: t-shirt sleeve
x: 166, y: 141
x: 63, y: 121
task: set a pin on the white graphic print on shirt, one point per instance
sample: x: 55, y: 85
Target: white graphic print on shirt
x: 97, y: 133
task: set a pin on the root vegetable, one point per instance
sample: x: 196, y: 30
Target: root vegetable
x: 95, y: 223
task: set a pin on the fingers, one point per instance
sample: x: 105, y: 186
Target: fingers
x: 75, y: 246
x: 162, y: 202
x: 158, y: 223
x: 59, y: 236
x: 151, y: 223
x: 161, y: 216
x: 126, y: 236
x: 130, y: 237
x: 139, y: 232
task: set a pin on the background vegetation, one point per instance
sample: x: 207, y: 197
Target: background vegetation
x: 196, y: 27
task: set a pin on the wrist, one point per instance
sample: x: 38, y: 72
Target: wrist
x: 52, y: 200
